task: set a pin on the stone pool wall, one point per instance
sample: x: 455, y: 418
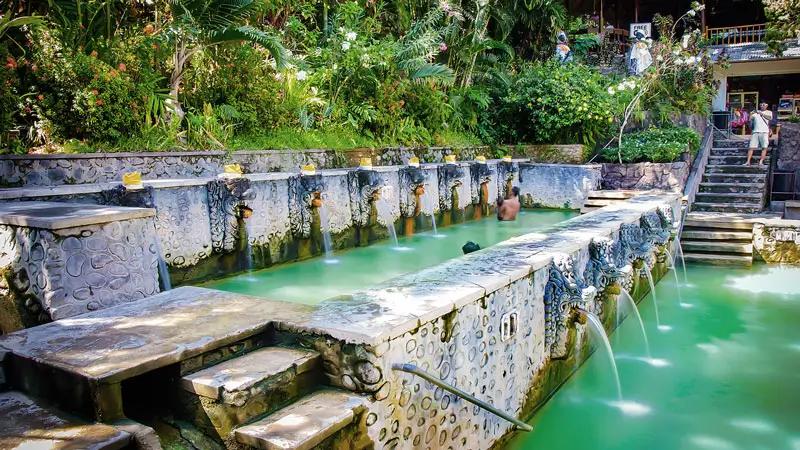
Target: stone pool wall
x: 777, y: 241
x: 450, y: 321
x: 646, y: 176
x: 88, y: 168
x: 557, y: 186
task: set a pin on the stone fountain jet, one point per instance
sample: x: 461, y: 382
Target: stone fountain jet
x: 482, y: 177
x: 365, y: 186
x: 451, y: 179
x: 507, y: 172
x: 412, y: 188
x: 564, y: 295
x: 228, y: 209
x: 305, y: 196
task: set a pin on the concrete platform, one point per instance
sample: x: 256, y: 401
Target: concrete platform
x: 26, y: 425
x: 128, y: 340
x: 56, y: 216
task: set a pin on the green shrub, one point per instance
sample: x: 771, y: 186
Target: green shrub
x: 658, y: 145
x: 555, y: 103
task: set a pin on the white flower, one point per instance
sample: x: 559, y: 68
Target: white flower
x: 341, y: 29
x: 685, y: 41
x: 365, y: 57
x: 301, y: 75
x: 659, y: 58
x: 701, y: 69
x: 676, y: 52
x: 691, y: 60
x: 279, y: 76
x: 314, y: 90
x: 351, y: 36
x: 692, y: 12
x: 611, y: 91
x: 345, y: 46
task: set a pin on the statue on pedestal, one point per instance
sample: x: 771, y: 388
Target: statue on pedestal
x: 563, y: 52
x: 639, y: 58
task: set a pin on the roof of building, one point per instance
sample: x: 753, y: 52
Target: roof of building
x: 753, y: 51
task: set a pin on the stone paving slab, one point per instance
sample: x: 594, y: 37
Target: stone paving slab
x: 127, y: 340
x: 305, y: 424
x: 26, y: 425
x: 56, y: 216
x: 244, y: 372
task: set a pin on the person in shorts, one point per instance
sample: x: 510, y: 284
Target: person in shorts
x: 760, y: 137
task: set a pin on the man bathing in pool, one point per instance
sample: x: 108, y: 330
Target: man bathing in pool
x: 508, y: 209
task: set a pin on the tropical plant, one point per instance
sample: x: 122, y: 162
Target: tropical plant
x: 659, y: 145
x: 197, y: 25
x: 783, y: 18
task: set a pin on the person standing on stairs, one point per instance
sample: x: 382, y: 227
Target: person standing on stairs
x: 761, y: 133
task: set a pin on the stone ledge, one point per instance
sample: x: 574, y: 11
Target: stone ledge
x: 56, y: 216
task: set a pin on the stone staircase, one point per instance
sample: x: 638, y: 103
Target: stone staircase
x: 599, y: 199
x: 728, y: 186
x: 269, y: 398
x: 719, y: 239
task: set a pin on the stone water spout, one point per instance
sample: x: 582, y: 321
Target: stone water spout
x: 507, y: 171
x: 481, y: 175
x: 305, y: 199
x: 412, y: 188
x: 228, y: 198
x: 564, y: 293
x: 364, y: 185
x: 450, y: 180
x: 131, y: 193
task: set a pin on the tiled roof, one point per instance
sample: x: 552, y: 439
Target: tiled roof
x: 754, y: 51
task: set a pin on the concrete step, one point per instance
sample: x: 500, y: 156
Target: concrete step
x: 736, y: 198
x: 715, y: 177
x: 706, y: 221
x: 599, y: 202
x: 693, y: 246
x: 305, y: 424
x: 738, y: 142
x: 716, y: 259
x: 742, y: 208
x: 25, y: 424
x: 588, y: 209
x: 710, y: 234
x: 723, y: 187
x: 715, y: 160
x: 250, y: 386
x: 742, y: 151
x: 736, y: 168
x: 618, y: 194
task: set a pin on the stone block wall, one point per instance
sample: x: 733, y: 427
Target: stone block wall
x: 56, y: 170
x: 777, y: 241
x: 789, y: 148
x: 557, y: 186
x: 53, y: 274
x: 646, y: 176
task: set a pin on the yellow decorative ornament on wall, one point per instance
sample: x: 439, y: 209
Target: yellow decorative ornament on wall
x: 132, y: 180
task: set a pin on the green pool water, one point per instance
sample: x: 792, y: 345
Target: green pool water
x: 317, y: 279
x: 725, y: 373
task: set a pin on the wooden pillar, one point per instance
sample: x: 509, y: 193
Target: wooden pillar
x: 703, y: 18
x: 636, y: 11
x: 602, y: 25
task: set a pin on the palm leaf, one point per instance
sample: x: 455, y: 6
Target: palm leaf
x: 250, y: 34
x: 438, y: 73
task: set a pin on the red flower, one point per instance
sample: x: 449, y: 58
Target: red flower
x: 94, y: 92
x: 113, y: 73
x: 135, y: 105
x: 402, y: 102
x: 94, y: 54
x: 27, y: 110
x: 122, y: 67
x: 96, y: 76
x: 41, y: 96
x: 33, y: 67
x: 99, y: 102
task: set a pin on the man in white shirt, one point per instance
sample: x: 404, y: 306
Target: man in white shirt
x: 760, y: 137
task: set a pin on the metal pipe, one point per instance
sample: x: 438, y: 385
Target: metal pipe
x: 414, y: 370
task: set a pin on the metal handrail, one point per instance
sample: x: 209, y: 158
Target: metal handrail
x: 414, y: 370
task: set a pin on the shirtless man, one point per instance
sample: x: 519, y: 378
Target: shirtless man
x: 508, y: 209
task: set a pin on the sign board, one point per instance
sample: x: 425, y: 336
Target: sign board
x: 645, y: 28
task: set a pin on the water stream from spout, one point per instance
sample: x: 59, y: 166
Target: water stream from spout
x: 384, y: 209
x: 248, y: 248
x: 626, y: 297
x: 428, y: 205
x: 598, y: 331
x: 652, y: 292
x: 325, y: 227
x: 163, y: 271
x: 679, y: 251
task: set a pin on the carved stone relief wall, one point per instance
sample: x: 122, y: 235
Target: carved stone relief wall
x: 72, y: 271
x: 183, y: 225
x: 269, y: 225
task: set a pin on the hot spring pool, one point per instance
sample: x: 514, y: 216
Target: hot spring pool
x: 317, y: 279
x: 724, y: 373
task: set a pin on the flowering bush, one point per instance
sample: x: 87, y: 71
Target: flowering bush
x: 559, y: 104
